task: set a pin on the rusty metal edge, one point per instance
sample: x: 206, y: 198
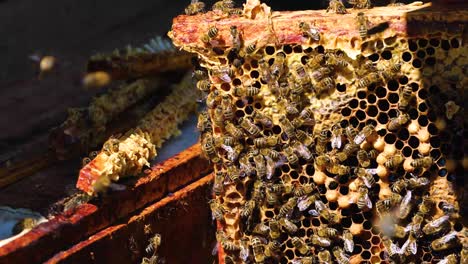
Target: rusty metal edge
x: 71, y: 226
x: 103, y: 244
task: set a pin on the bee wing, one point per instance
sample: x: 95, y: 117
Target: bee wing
x: 303, y: 203
x: 336, y: 142
x: 349, y: 245
x: 366, y: 182
x: 244, y: 253
x: 359, y: 139
x: 214, y: 251
x: 372, y: 171
x: 368, y: 201
x: 313, y: 212
x: 409, y: 246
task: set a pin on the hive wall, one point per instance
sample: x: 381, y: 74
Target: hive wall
x: 431, y: 68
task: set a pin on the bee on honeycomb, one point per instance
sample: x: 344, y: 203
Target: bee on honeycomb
x: 358, y: 109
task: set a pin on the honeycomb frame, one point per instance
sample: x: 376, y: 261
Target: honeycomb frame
x: 420, y: 48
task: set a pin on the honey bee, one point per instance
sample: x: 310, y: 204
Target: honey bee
x: 300, y: 245
x: 303, y: 151
x: 111, y: 146
x: 322, y: 141
x: 264, y: 142
x: 410, y: 246
x: 204, y: 85
x: 24, y: 224
x: 247, y: 209
x: 416, y: 223
x: 337, y: 7
x: 348, y: 241
x: 258, y: 250
x: 368, y: 179
x: 320, y: 73
x: 446, y: 242
x: 361, y: 4
x: 272, y: 198
x: 85, y: 161
x: 425, y: 206
x: 218, y: 116
x: 322, y: 209
x: 363, y: 158
x: 208, y: 148
x: 320, y: 241
x: 154, y: 243
x: 233, y: 172
x: 325, y: 85
x: 224, y: 73
x: 392, y: 249
x: 451, y: 259
x: 425, y: 162
x: 306, y: 201
x: 261, y: 229
x: 289, y: 226
x: 312, y: 33
x: 223, y: 5
x: 277, y: 69
x: 405, y: 206
x: 260, y: 165
x: 228, y: 109
x: 397, y: 122
x: 275, y: 231
x: 394, y: 161
x: 385, y: 205
x: 258, y: 192
x: 249, y: 126
x: 336, y: 139
x: 225, y: 242
x: 291, y: 109
x: 249, y: 49
x: 464, y: 254
x: 204, y: 123
x: 316, y: 61
x: 368, y: 79
x: 246, y: 91
x: 272, y: 248
x: 217, y: 210
x: 447, y: 207
x: 218, y: 185
x: 322, y: 160
x: 245, y: 166
x: 262, y: 119
x: 451, y: 108
x: 325, y: 257
x: 287, y: 208
x: 362, y: 23
x: 195, y: 7
x: 264, y: 68
x: 235, y: 38
x: 244, y: 249
x: 299, y: 79
x: 209, y: 35
x: 364, y: 134
x: 325, y: 231
x: 340, y: 256
x: 234, y: 131
x: 436, y: 225
x: 405, y: 97
x: 303, y: 189
x: 336, y: 60
x: 212, y: 99
x: 372, y: 154
x: 364, y: 202
x: 290, y: 155
x: 394, y: 71
x: 304, y: 138
x: 338, y: 169
x: 414, y: 183
x: 399, y: 185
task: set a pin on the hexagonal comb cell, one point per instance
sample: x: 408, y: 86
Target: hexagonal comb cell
x: 336, y: 137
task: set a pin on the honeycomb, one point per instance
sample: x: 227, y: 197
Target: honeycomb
x: 333, y: 140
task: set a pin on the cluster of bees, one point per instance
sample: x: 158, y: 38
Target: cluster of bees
x: 291, y: 175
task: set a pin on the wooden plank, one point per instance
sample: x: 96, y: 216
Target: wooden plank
x: 182, y: 220
x: 72, y: 226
